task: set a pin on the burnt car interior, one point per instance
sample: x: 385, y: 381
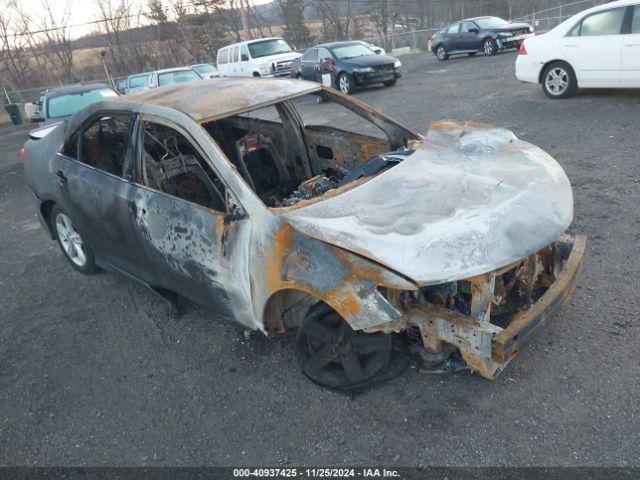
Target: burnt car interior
x: 173, y: 166
x: 103, y: 143
x: 284, y: 157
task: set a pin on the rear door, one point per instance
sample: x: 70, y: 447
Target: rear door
x: 594, y: 48
x: 192, y: 243
x: 92, y: 191
x: 630, y: 65
x: 452, y: 38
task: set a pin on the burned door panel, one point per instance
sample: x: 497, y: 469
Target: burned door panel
x: 182, y: 247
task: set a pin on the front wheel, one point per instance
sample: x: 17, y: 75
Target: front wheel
x: 76, y: 251
x: 390, y: 83
x: 559, y: 81
x: 332, y: 354
x: 489, y: 47
x: 345, y: 83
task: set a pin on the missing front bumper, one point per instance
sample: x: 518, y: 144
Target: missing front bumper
x: 486, y: 347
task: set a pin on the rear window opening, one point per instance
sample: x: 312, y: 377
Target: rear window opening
x: 300, y: 149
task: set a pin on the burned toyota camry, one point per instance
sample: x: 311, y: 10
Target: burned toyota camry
x: 249, y: 197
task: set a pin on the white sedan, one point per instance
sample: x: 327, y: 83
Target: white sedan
x: 597, y: 48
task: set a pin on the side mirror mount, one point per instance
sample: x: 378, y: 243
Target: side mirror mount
x: 234, y: 211
x: 244, y: 57
x: 474, y: 30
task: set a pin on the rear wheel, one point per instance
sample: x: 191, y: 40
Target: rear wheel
x: 559, y: 81
x: 332, y: 354
x: 76, y: 251
x: 441, y: 53
x: 489, y: 47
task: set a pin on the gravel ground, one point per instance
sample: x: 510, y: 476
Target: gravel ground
x: 93, y: 371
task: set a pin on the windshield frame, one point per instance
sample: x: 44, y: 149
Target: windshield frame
x: 252, y: 45
x: 48, y: 110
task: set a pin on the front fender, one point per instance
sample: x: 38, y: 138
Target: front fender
x: 343, y: 280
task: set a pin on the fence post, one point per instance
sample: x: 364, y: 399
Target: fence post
x: 560, y: 15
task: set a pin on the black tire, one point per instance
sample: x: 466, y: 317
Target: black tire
x: 333, y: 355
x: 346, y: 84
x: 559, y: 80
x: 256, y: 74
x: 441, y: 53
x: 471, y: 54
x: 298, y: 76
x: 489, y: 47
x: 79, y: 255
x: 390, y: 83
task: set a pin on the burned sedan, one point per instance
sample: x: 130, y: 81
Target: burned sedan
x: 248, y: 197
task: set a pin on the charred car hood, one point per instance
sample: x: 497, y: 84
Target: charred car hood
x: 472, y: 199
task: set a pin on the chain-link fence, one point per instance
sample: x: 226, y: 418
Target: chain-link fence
x: 545, y: 20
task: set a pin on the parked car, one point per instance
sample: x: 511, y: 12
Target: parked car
x: 597, y: 48
x: 480, y: 34
x: 350, y: 64
x: 137, y: 82
x: 205, y: 70
x: 264, y: 57
x: 59, y: 103
x: 236, y: 194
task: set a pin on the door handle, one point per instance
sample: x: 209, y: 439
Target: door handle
x: 62, y: 177
x: 632, y: 44
x: 570, y: 45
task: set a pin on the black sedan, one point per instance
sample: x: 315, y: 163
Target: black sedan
x: 480, y: 34
x: 346, y: 66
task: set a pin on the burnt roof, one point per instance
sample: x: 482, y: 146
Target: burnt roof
x: 214, y: 98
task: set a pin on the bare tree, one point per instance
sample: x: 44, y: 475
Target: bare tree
x: 15, y: 57
x: 336, y: 18
x: 295, y: 29
x: 54, y: 22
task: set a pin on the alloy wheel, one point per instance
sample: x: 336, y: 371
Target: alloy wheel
x: 334, y: 355
x: 488, y: 47
x: 557, y: 81
x: 441, y: 53
x: 344, y: 84
x: 70, y: 240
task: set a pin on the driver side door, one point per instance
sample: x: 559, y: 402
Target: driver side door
x: 194, y: 237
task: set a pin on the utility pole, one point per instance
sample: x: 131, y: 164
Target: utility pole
x: 103, y: 55
x: 245, y: 19
x: 385, y: 22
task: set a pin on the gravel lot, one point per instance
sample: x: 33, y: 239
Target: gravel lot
x: 93, y: 371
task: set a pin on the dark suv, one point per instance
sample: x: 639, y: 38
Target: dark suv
x: 480, y: 34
